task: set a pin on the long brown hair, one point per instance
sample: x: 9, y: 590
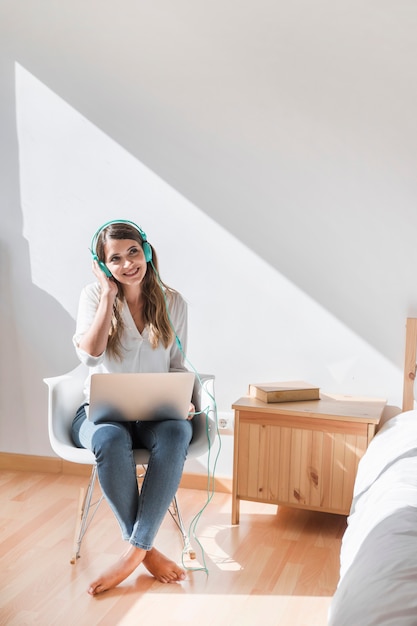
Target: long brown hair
x: 156, y: 294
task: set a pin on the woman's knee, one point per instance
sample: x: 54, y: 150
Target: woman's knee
x: 177, y: 433
x: 109, y: 438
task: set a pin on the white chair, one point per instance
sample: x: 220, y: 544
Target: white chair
x: 66, y: 395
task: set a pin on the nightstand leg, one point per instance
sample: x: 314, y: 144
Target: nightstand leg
x: 235, y: 499
x: 235, y: 510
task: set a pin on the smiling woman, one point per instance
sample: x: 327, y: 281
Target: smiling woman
x: 121, y: 250
x: 130, y: 321
x: 126, y: 261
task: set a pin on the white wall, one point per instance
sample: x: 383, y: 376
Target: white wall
x: 267, y: 149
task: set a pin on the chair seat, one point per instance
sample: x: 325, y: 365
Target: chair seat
x: 66, y: 396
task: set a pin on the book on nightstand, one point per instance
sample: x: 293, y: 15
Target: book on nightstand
x: 292, y: 391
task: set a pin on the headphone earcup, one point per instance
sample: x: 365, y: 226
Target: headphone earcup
x: 147, y: 250
x: 105, y: 269
x: 102, y: 265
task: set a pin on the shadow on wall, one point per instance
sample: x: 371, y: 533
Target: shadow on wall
x: 36, y: 332
x: 247, y: 322
x: 35, y: 329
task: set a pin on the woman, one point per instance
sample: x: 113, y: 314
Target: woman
x: 129, y: 321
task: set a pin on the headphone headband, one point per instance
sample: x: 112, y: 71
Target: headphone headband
x: 100, y: 230
x: 145, y: 245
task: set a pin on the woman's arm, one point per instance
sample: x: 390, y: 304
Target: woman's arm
x: 94, y: 341
x: 94, y: 338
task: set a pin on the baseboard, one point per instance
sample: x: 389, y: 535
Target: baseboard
x: 30, y: 463
x: 199, y: 481
x: 53, y: 465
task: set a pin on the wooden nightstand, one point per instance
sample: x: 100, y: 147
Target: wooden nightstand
x: 302, y: 454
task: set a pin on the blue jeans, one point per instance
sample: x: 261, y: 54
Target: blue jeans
x: 112, y: 442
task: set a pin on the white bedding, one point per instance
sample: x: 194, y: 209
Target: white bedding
x: 378, y: 561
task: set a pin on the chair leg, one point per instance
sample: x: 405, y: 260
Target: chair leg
x: 84, y: 515
x: 175, y: 513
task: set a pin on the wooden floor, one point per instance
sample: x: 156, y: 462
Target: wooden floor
x: 274, y: 568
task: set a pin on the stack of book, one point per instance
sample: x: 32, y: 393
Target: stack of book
x: 292, y: 391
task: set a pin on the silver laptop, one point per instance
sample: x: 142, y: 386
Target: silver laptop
x: 145, y: 396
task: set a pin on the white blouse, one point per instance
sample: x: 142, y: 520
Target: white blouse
x: 138, y: 354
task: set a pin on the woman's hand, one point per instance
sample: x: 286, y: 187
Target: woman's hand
x: 108, y: 285
x: 191, y: 411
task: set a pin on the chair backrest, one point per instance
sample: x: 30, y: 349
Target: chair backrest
x: 66, y: 395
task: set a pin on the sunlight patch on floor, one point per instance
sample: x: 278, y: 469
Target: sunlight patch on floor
x: 226, y: 610
x: 213, y: 551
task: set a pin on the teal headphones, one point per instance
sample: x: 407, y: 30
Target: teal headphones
x: 147, y: 250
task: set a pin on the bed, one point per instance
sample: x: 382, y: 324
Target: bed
x: 378, y: 559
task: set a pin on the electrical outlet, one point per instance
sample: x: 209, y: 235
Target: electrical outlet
x: 225, y: 423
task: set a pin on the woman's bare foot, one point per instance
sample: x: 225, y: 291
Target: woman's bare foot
x: 127, y: 563
x: 164, y: 570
